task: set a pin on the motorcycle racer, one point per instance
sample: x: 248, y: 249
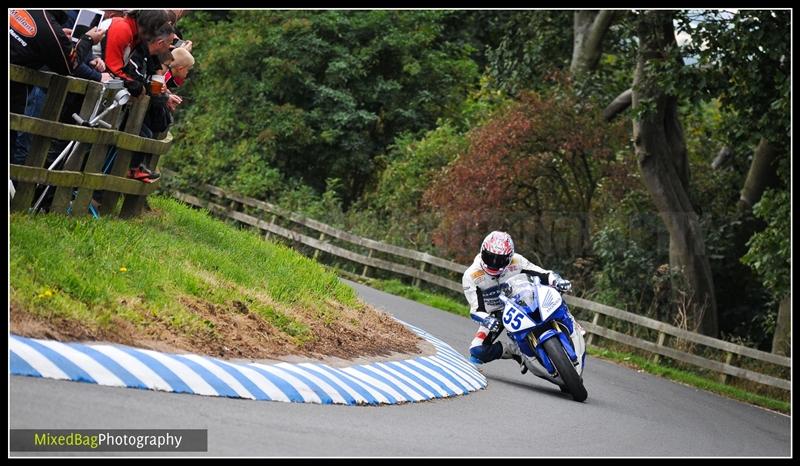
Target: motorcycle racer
x: 483, y: 282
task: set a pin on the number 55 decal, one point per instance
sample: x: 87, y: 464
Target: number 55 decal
x: 513, y: 319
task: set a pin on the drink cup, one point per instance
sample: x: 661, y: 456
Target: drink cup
x: 156, y: 84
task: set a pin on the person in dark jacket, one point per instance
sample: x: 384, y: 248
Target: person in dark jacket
x: 92, y: 68
x: 143, y: 64
x: 37, y: 40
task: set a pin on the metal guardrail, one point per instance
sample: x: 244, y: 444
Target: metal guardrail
x: 657, y: 348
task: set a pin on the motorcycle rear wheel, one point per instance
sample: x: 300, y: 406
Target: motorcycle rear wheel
x: 565, y: 369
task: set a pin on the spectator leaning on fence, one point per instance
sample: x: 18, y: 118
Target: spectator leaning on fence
x: 143, y: 65
x: 37, y: 40
x: 178, y: 69
x: 143, y: 61
x: 125, y: 33
x: 92, y: 67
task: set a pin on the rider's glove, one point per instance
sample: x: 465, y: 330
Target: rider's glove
x: 562, y: 285
x: 491, y: 323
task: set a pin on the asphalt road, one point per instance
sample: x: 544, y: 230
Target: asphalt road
x: 628, y: 413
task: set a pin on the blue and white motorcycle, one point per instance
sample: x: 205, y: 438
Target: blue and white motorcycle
x: 550, y: 340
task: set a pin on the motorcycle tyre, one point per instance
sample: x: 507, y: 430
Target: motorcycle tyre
x: 565, y: 369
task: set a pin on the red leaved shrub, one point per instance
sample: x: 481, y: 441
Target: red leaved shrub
x: 532, y: 170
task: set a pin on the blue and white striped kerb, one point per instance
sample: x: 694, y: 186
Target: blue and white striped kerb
x: 444, y: 374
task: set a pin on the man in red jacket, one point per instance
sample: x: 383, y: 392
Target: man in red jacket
x: 125, y: 33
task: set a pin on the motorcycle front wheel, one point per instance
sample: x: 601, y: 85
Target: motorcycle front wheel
x: 565, y: 369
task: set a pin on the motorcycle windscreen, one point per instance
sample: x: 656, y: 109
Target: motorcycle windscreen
x: 523, y: 291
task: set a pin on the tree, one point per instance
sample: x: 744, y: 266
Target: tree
x: 769, y: 255
x: 745, y: 60
x: 532, y: 170
x: 661, y: 151
x: 315, y: 95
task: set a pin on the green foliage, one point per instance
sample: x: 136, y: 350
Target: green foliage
x: 533, y: 44
x: 770, y: 250
x: 403, y: 182
x: 630, y: 246
x: 410, y: 165
x: 744, y: 59
x: 314, y: 95
x: 398, y: 194
x: 326, y: 207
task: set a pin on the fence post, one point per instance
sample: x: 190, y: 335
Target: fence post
x: 723, y: 378
x: 660, y: 342
x: 416, y: 279
x: 271, y: 222
x: 63, y: 195
x: 136, y: 113
x: 95, y: 161
x: 595, y: 320
x: 37, y: 152
x: 366, y: 267
x: 316, y: 251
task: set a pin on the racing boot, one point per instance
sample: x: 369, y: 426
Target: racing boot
x: 511, y: 351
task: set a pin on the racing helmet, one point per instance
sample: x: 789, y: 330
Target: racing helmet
x: 497, y: 250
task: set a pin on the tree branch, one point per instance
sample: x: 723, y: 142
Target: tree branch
x: 618, y: 105
x: 761, y: 175
x: 724, y: 155
x: 599, y: 28
x: 589, y: 27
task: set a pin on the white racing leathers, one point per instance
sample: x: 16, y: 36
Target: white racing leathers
x: 483, y: 294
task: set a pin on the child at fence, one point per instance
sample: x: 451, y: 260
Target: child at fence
x: 178, y: 70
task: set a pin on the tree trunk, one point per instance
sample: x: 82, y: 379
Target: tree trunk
x: 782, y: 340
x: 761, y: 175
x: 661, y: 151
x: 589, y: 27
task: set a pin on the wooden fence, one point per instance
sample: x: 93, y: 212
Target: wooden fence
x: 234, y: 202
x: 80, y: 175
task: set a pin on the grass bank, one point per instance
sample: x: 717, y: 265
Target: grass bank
x: 176, y: 277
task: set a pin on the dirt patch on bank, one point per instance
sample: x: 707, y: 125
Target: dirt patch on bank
x: 234, y: 330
